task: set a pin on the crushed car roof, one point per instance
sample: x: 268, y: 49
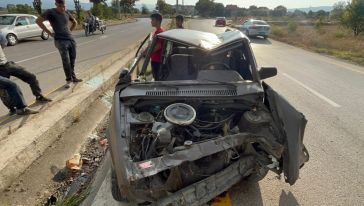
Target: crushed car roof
x: 203, y: 40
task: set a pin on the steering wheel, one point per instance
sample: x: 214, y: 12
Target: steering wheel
x: 226, y: 67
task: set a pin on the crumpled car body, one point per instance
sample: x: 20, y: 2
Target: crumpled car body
x: 202, y: 124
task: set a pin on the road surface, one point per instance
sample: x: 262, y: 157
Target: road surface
x: 330, y: 93
x: 42, y: 58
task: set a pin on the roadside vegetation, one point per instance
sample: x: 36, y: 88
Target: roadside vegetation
x: 339, y: 33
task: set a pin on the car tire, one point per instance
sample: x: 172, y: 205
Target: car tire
x: 12, y: 39
x: 115, y: 191
x: 265, y: 37
x: 45, y: 35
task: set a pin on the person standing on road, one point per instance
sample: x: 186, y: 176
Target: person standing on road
x: 179, y: 22
x: 9, y: 68
x: 63, y: 40
x: 156, y: 21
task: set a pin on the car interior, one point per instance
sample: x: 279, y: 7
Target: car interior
x: 181, y: 62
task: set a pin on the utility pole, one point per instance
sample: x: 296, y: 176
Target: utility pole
x: 119, y: 8
x: 37, y: 4
x: 78, y: 9
x: 176, y: 6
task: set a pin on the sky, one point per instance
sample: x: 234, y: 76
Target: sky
x: 268, y: 3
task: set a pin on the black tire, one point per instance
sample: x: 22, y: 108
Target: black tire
x: 115, y: 191
x: 12, y: 39
x: 265, y: 37
x: 86, y: 31
x: 44, y: 35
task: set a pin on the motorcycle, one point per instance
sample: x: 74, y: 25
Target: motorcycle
x: 98, y: 25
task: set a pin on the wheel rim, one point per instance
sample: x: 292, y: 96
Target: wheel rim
x: 12, y: 39
x: 45, y: 34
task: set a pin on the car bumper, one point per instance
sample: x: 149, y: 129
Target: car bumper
x: 210, y: 187
x: 253, y: 32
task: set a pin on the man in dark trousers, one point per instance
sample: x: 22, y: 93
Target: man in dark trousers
x: 156, y: 21
x: 179, y: 22
x: 63, y: 40
x: 8, y: 68
x: 16, y: 97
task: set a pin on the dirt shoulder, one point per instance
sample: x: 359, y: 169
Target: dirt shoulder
x: 330, y: 40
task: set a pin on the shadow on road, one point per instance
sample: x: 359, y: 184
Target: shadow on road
x: 258, y: 40
x: 287, y: 199
x: 247, y: 192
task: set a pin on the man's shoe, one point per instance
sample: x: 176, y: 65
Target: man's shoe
x: 75, y: 80
x: 68, y: 85
x: 42, y: 99
x: 12, y: 112
x: 25, y: 111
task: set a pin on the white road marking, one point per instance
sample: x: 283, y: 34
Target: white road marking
x: 45, y: 54
x: 332, y: 103
x: 42, y: 55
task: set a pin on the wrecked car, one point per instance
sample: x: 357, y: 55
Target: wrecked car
x: 203, y: 124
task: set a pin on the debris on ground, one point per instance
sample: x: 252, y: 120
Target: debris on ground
x: 75, y: 163
x: 72, y: 182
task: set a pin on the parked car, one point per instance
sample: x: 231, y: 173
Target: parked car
x: 20, y: 26
x: 203, y: 124
x: 220, y: 21
x: 253, y: 28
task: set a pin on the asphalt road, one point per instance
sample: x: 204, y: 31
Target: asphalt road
x: 330, y: 93
x: 42, y: 58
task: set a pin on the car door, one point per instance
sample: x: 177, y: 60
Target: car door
x: 34, y: 29
x: 291, y: 124
x: 21, y: 27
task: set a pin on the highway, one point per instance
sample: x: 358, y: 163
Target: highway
x: 330, y: 93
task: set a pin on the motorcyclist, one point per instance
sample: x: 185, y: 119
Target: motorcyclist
x: 91, y: 21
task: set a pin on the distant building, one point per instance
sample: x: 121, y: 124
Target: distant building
x: 232, y: 9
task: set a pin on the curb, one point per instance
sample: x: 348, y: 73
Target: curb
x: 21, y: 148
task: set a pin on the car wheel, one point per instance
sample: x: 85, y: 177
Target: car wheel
x: 44, y: 35
x: 265, y: 37
x: 115, y: 191
x: 12, y: 39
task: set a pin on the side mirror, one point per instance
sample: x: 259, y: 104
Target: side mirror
x: 267, y: 72
x: 124, y: 72
x: 18, y: 24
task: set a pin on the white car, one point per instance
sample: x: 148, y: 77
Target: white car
x: 253, y: 28
x: 20, y: 26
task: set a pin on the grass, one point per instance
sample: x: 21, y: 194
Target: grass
x: 331, y: 40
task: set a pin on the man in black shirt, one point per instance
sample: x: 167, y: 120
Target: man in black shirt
x: 63, y: 40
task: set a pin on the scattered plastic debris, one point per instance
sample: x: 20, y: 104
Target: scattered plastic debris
x: 75, y: 163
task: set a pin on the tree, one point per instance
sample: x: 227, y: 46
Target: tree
x: 219, y: 9
x: 163, y: 7
x: 338, y: 10
x: 97, y: 1
x: 353, y: 16
x: 205, y: 7
x: 279, y: 11
x: 22, y: 8
x: 145, y: 9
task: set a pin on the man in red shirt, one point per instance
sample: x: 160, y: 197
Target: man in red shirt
x: 156, y: 21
